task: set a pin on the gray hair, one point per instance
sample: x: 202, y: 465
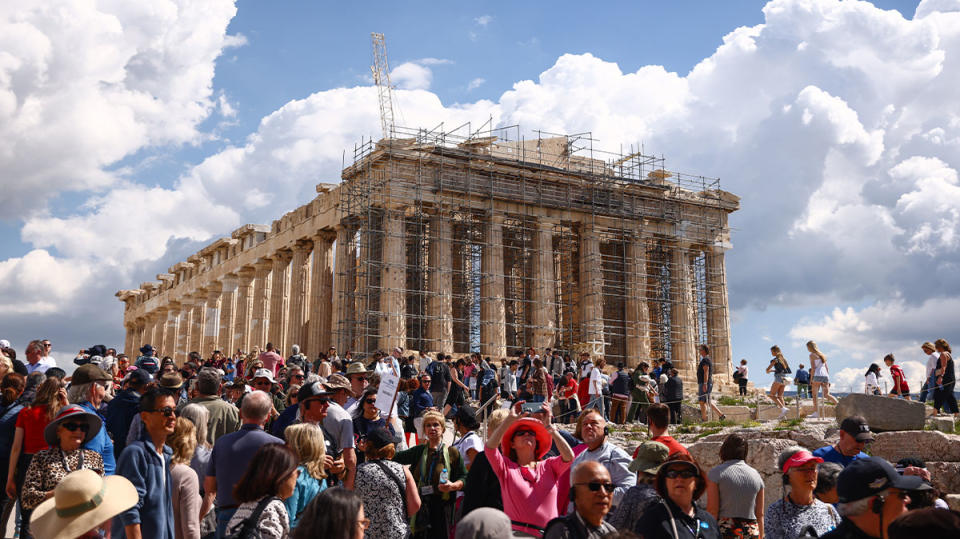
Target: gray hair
x: 786, y: 454
x: 78, y: 393
x: 256, y: 406
x: 311, y: 378
x: 858, y: 507
x: 827, y: 474
x: 296, y: 349
x: 200, y: 417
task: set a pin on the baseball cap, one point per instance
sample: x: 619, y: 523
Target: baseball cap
x: 379, y: 437
x: 264, y: 373
x: 650, y: 455
x: 312, y: 390
x: 868, y: 476
x: 138, y: 376
x: 857, y: 427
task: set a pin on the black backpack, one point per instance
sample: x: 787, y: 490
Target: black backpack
x: 250, y: 527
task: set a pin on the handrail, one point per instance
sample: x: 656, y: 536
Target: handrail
x: 483, y: 409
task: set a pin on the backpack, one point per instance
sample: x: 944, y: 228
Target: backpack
x: 488, y: 384
x: 250, y: 527
x: 439, y: 373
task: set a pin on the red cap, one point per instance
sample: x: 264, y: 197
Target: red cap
x: 799, y: 459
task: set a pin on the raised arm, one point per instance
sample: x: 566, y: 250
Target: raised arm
x: 493, y: 440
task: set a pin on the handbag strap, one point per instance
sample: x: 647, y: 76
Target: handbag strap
x: 397, y: 481
x: 254, y: 519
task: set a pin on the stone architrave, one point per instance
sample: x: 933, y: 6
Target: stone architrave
x: 591, y: 285
x: 718, y: 312
x: 543, y: 293
x: 244, y: 309
x: 172, y: 337
x: 280, y: 301
x: 344, y: 309
x: 440, y: 285
x: 493, y: 335
x: 300, y: 292
x: 211, y: 325
x: 636, y: 313
x: 321, y: 294
x: 228, y: 313
x: 393, y: 283
x: 262, y: 295
x: 682, y: 341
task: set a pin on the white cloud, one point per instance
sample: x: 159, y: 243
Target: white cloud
x: 40, y: 282
x: 411, y: 76
x: 476, y: 83
x: 483, y: 20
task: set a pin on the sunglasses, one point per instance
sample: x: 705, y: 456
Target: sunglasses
x: 83, y: 427
x: 683, y: 474
x: 595, y: 486
x: 525, y: 432
x: 371, y: 401
x: 323, y: 402
x: 297, y: 376
x: 165, y: 411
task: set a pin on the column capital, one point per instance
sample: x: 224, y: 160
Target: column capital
x: 324, y: 236
x: 282, y: 256
x: 263, y: 263
x: 246, y: 274
x: 303, y: 245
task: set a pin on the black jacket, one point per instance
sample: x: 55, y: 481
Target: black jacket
x: 120, y: 412
x: 482, y: 487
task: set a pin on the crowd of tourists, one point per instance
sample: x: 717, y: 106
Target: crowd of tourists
x: 262, y: 445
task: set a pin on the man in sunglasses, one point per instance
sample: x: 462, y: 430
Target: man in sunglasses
x: 592, y: 495
x: 872, y: 494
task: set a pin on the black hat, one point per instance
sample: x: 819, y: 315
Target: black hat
x: 138, y: 377
x: 379, y: 437
x: 857, y: 427
x: 467, y: 416
x: 870, y: 475
x: 312, y: 390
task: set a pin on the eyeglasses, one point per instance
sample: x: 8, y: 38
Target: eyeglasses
x: 47, y: 345
x: 323, y: 402
x: 595, y: 486
x: 524, y: 432
x: 83, y: 427
x: 297, y: 376
x: 683, y: 474
x: 425, y: 381
x: 370, y: 401
x: 363, y: 523
x: 166, y: 411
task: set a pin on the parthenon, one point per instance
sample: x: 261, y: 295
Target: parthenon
x: 486, y: 242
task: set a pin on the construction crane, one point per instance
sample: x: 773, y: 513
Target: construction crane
x: 381, y: 77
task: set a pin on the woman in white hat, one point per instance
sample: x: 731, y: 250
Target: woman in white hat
x: 81, y: 504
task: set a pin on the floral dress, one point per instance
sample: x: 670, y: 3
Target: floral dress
x: 379, y: 491
x: 49, y: 467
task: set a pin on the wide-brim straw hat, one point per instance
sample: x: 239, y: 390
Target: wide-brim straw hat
x: 72, y: 413
x: 543, y: 437
x: 81, y: 502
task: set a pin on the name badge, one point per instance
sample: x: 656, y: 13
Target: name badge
x: 426, y: 490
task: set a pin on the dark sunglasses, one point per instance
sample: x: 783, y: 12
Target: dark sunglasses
x: 524, y: 432
x: 83, y: 427
x: 371, y: 401
x: 166, y: 411
x: 322, y: 402
x: 297, y: 376
x: 594, y: 486
x: 683, y: 474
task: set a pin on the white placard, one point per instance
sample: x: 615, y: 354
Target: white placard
x: 387, y: 390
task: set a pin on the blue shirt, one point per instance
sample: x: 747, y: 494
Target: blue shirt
x: 802, y: 376
x: 306, y: 490
x: 231, y: 455
x: 150, y: 474
x: 422, y: 399
x: 830, y: 454
x: 101, y: 443
x: 8, y: 427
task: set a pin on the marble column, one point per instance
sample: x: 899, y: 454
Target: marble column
x: 262, y: 294
x: 130, y: 342
x: 159, y: 322
x: 211, y: 326
x: 636, y: 313
x: 718, y: 313
x: 172, y: 337
x: 319, y: 337
x: 591, y: 286
x: 543, y: 293
x: 183, y: 331
x: 244, y: 309
x: 141, y: 338
x: 300, y: 293
x: 198, y: 321
x: 493, y: 322
x: 393, y: 282
x: 228, y: 313
x: 344, y: 308
x: 280, y: 301
x: 440, y: 285
x: 682, y: 334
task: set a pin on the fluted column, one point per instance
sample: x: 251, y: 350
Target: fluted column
x: 262, y: 293
x: 636, y: 313
x: 171, y: 339
x: 198, y: 321
x: 344, y: 308
x: 543, y: 308
x: 393, y: 283
x: 185, y: 326
x: 141, y: 337
x: 718, y: 312
x: 280, y: 301
x: 300, y: 292
x: 591, y: 285
x: 159, y: 317
x: 228, y: 312
x: 682, y: 335
x: 321, y: 294
x: 130, y: 342
x: 440, y: 285
x: 244, y: 310
x: 493, y: 334
x: 211, y: 326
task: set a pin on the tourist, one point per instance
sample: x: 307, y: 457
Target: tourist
x: 705, y: 383
x: 529, y: 484
x: 224, y: 418
x: 271, y: 360
x: 929, y: 523
x: 11, y: 389
x: 186, y: 483
x: 854, y: 436
x: 650, y: 455
x: 200, y: 417
x: 926, y: 495
x: 945, y: 380
x: 872, y: 494
x: 900, y: 387
x: 620, y: 395
x: 439, y: 374
x: 569, y: 405
x: 420, y: 402
x: 929, y: 381
x: 826, y: 490
x: 65, y: 435
x: 657, y: 423
x: 820, y: 377
x: 357, y: 375
x: 483, y: 487
x: 798, y: 512
x: 232, y: 454
x: 780, y: 368
x: 229, y: 370
x: 593, y: 430
x: 28, y: 439
x: 871, y: 380
x: 269, y: 479
x: 539, y: 388
x: 87, y: 390
x: 124, y: 407
x: 591, y: 494
x: 802, y: 379
x: 484, y: 523
x: 509, y: 380
x: 366, y: 416
x: 680, y: 482
x: 37, y: 360
x: 336, y: 513
x: 148, y: 360
x: 595, y: 387
x: 82, y: 505
x: 386, y: 485
x: 307, y: 443
x: 466, y: 440
x: 742, y: 375
x: 338, y: 425
x: 735, y: 492
x: 439, y: 472
x: 457, y: 395
x: 146, y: 463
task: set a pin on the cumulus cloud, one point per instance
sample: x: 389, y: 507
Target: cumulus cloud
x: 476, y: 83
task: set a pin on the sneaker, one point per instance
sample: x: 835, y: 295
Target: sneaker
x: 783, y: 412
x: 813, y: 415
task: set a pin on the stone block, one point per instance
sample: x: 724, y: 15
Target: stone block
x: 762, y: 455
x: 883, y: 413
x: 943, y: 424
x: 945, y: 476
x: 737, y: 413
x: 931, y: 446
x: 953, y: 500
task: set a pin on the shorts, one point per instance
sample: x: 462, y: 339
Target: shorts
x: 778, y: 378
x: 820, y: 379
x: 704, y: 396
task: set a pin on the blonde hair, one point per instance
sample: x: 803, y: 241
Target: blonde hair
x: 495, y: 418
x: 183, y: 441
x: 5, y: 365
x: 433, y: 414
x: 306, y: 440
x: 812, y: 347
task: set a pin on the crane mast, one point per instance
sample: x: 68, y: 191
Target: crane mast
x: 381, y: 77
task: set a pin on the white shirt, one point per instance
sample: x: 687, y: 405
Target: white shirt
x: 870, y: 383
x: 424, y: 361
x: 470, y: 440
x: 596, y: 382
x: 932, y: 360
x: 510, y: 382
x: 819, y: 366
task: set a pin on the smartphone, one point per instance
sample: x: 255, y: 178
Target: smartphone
x: 532, y: 407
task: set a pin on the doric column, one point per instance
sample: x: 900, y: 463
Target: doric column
x: 141, y: 337
x: 130, y: 342
x: 543, y: 308
x: 262, y: 293
x: 172, y: 337
x: 244, y: 310
x: 184, y: 328
x: 393, y: 281
x: 198, y: 321
x: 591, y: 285
x: 718, y: 312
x: 440, y: 285
x: 321, y: 294
x: 300, y: 292
x: 228, y: 312
x: 211, y: 326
x: 636, y: 313
x: 493, y: 334
x: 682, y: 338
x: 344, y: 308
x: 280, y: 301
x: 159, y: 318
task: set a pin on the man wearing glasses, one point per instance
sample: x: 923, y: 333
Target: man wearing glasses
x: 37, y: 359
x: 88, y: 389
x: 591, y: 494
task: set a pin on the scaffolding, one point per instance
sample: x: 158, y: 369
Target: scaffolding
x: 564, y: 245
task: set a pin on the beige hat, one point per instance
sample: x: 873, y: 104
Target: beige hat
x: 356, y: 368
x: 82, y: 501
x: 337, y: 381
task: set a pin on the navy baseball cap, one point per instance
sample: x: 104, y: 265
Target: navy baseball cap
x: 869, y: 476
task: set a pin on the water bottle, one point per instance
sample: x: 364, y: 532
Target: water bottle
x: 444, y: 476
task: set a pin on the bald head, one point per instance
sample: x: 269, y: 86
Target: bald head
x: 256, y: 407
x: 592, y: 505
x: 590, y: 470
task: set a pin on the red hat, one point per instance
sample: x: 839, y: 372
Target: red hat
x: 544, y: 441
x: 799, y: 459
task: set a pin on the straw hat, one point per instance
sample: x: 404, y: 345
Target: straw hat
x: 82, y: 501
